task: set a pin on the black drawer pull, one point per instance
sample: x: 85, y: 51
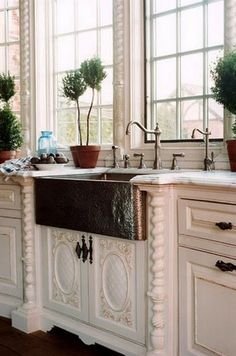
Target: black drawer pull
x: 225, y: 267
x: 224, y: 225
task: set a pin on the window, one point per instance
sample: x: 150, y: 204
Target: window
x: 182, y: 44
x: 10, y: 44
x: 83, y: 29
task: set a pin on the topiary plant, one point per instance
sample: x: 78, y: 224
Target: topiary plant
x: 11, y: 136
x: 10, y: 130
x: 93, y: 73
x: 224, y: 77
x: 90, y: 74
x: 73, y: 86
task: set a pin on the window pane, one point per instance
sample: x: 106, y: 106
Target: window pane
x: 166, y: 117
x: 85, y: 99
x: 66, y: 133
x: 2, y: 59
x: 163, y: 5
x: 13, y: 25
x: 165, y: 40
x: 192, y: 80
x: 192, y: 116
x: 12, y: 3
x: 87, y: 44
x: 216, y: 115
x: 165, y: 79
x: 213, y: 56
x: 2, y: 27
x: 107, y: 89
x: 215, y: 33
x: 16, y: 98
x: 65, y: 16
x: 188, y: 2
x: 14, y: 59
x: 2, y: 4
x: 93, y: 125
x: 65, y: 53
x: 106, y: 12
x: 192, y: 29
x: 106, y: 46
x: 87, y: 14
x: 107, y: 126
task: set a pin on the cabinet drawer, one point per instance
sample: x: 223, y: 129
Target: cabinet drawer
x: 199, y: 218
x: 9, y: 196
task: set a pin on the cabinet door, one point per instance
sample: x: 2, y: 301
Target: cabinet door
x: 116, y: 286
x: 10, y: 257
x: 65, y: 277
x: 207, y: 305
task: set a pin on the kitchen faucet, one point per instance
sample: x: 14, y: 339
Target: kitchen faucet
x: 208, y: 162
x: 156, y: 132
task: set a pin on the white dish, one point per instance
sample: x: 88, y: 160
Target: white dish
x: 49, y: 167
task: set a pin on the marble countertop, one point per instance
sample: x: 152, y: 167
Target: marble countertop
x: 145, y: 176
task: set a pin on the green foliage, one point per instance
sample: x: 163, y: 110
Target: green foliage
x: 73, y: 85
x: 224, y: 76
x: 11, y: 136
x: 7, y: 87
x: 93, y: 72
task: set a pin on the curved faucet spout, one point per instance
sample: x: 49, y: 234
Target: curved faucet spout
x: 156, y: 132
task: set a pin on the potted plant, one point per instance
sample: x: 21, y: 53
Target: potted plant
x: 11, y: 137
x: 224, y: 90
x: 90, y: 75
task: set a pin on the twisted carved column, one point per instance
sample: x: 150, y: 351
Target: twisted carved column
x: 118, y: 80
x: 157, y: 292
x: 27, y: 316
x: 25, y: 57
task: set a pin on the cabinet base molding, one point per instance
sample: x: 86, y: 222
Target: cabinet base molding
x: 91, y: 335
x: 7, y: 305
x: 26, y: 320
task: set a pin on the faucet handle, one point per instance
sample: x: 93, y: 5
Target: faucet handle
x: 174, y: 160
x: 141, y: 163
x: 126, y: 161
x: 115, y: 164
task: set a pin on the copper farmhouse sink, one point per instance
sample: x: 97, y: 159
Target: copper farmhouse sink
x: 102, y: 203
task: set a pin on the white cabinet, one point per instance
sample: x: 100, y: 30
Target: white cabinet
x: 207, y: 295
x: 11, y: 283
x: 105, y: 291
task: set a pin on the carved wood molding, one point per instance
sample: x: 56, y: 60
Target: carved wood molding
x: 157, y: 292
x: 25, y: 77
x: 29, y: 261
x: 118, y: 80
x: 124, y: 252
x: 71, y: 297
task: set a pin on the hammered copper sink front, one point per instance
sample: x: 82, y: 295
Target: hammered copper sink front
x: 95, y: 206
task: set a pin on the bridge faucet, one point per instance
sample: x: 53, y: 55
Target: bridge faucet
x: 156, y: 132
x: 208, y: 162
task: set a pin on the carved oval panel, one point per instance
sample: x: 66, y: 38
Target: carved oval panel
x: 115, y: 282
x: 64, y: 268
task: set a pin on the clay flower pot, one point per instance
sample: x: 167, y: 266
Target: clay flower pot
x: 231, y: 147
x: 6, y: 155
x: 85, y: 156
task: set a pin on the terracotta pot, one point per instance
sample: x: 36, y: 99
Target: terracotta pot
x: 6, y: 155
x: 231, y: 147
x: 85, y: 156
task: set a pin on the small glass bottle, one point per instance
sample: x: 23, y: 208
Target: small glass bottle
x: 47, y: 143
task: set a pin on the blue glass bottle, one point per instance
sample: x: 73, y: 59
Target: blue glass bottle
x: 47, y: 143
